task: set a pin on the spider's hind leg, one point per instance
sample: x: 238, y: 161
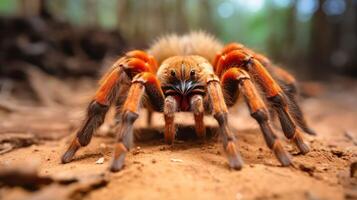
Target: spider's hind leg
x: 96, y: 112
x: 238, y: 77
x: 244, y: 58
x: 278, y: 101
x: 290, y: 87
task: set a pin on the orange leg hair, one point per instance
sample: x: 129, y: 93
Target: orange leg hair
x: 96, y: 112
x: 278, y: 100
x: 143, y: 82
x: 220, y: 113
x: 109, y: 93
x: 258, y: 110
x: 289, y: 85
x: 235, y: 55
x: 285, y: 80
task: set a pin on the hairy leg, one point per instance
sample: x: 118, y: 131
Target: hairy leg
x: 290, y: 88
x: 257, y: 109
x: 239, y: 55
x: 96, y: 112
x: 143, y: 82
x: 220, y: 113
x: 278, y: 101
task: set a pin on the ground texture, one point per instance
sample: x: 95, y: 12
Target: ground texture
x: 33, y: 139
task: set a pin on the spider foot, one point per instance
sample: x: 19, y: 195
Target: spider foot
x: 119, y: 158
x: 303, y: 147
x: 234, y: 159
x: 118, y: 163
x: 309, y: 131
x: 282, y: 155
x: 72, y: 149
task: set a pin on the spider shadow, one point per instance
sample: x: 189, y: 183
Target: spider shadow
x: 185, y: 137
x: 87, y: 156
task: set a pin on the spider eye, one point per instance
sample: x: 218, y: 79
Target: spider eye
x: 173, y: 73
x: 192, y: 72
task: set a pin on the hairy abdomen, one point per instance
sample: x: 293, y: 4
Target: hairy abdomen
x: 194, y: 43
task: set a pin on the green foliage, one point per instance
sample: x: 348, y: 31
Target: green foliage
x: 8, y: 7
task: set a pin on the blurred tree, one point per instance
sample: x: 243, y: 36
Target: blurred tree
x: 312, y: 36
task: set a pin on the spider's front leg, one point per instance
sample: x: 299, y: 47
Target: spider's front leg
x: 142, y: 82
x: 220, y: 113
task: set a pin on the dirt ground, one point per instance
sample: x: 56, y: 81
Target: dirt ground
x: 190, y: 169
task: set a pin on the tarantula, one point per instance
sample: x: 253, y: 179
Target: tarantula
x: 195, y: 73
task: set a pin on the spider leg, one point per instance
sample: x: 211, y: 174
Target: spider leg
x: 220, y: 113
x: 96, y: 112
x: 279, y: 102
x: 237, y: 54
x: 257, y: 109
x: 142, y: 82
x: 121, y: 73
x: 290, y: 88
x: 118, y: 106
x: 149, y: 117
x: 119, y: 103
x: 198, y: 113
x: 170, y: 107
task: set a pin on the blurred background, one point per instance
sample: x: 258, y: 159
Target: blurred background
x: 313, y: 38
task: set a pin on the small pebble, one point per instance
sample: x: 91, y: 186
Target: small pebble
x: 239, y: 196
x: 176, y: 160
x: 100, y: 161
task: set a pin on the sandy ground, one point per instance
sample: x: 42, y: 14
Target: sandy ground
x: 192, y: 169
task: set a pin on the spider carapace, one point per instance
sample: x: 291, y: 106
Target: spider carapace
x: 195, y: 73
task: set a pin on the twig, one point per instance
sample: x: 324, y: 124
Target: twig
x: 350, y: 136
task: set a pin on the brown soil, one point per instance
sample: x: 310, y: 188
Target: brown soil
x: 193, y: 169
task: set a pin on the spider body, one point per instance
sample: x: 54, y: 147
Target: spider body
x: 182, y: 78
x: 195, y: 73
